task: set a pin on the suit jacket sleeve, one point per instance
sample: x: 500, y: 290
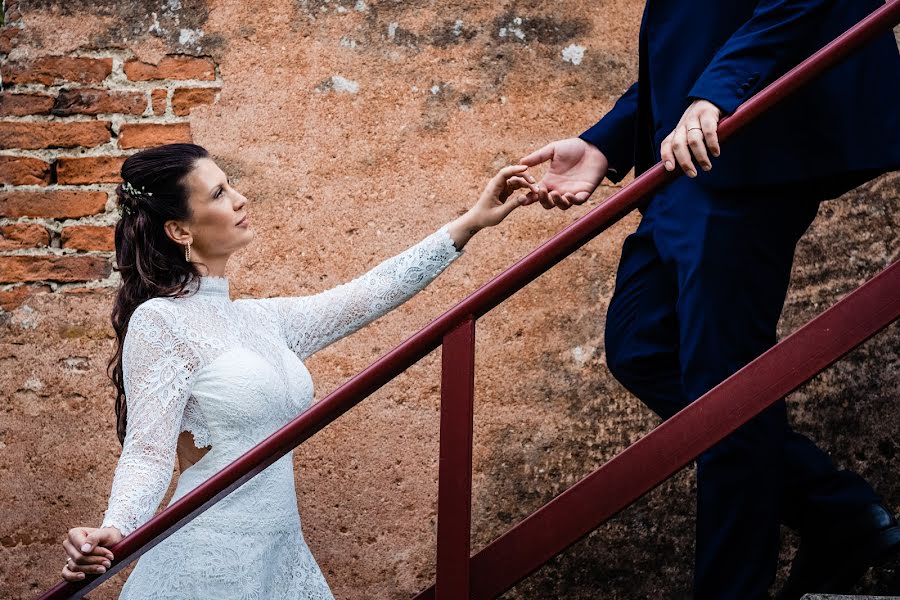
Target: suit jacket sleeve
x: 773, y: 40
x: 614, y: 134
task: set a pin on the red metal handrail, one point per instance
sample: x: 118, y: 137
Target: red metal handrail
x: 676, y: 442
x: 689, y: 425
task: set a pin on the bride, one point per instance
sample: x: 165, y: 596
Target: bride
x: 207, y: 377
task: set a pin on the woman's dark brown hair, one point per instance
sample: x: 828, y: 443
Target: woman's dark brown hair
x: 150, y: 263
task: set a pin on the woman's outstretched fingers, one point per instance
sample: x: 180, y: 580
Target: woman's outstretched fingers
x: 508, y: 171
x: 516, y: 183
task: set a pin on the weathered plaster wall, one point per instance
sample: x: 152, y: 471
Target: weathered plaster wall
x: 356, y: 128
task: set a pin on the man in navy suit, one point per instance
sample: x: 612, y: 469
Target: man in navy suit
x: 702, y: 281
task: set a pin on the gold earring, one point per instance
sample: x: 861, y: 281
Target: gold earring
x: 187, y: 252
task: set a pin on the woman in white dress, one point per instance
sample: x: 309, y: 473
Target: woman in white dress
x: 207, y: 377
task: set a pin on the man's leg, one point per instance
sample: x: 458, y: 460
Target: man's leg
x: 732, y: 260
x: 642, y: 348
x: 641, y: 335
x: 733, y: 265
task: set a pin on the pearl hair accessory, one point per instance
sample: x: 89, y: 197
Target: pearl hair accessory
x: 135, y: 194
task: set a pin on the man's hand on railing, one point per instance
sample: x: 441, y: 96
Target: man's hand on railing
x: 576, y: 169
x: 696, y: 132
x: 86, y: 553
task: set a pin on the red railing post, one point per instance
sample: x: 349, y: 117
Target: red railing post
x: 455, y: 464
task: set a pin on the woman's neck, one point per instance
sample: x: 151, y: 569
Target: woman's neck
x: 211, y: 268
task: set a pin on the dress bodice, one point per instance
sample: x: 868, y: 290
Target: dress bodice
x: 231, y: 371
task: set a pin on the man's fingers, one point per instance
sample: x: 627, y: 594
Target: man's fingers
x: 538, y: 156
x: 682, y: 151
x: 710, y: 124
x: 666, y: 154
x: 582, y: 197
x: 544, y: 198
x: 559, y: 201
x: 573, y: 200
x: 697, y: 144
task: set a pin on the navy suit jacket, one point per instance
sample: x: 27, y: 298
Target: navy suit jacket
x: 840, y: 125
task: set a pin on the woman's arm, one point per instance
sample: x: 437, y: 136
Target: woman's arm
x: 310, y: 323
x: 158, y: 367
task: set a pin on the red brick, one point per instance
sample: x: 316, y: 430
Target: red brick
x: 158, y: 101
x: 53, y: 204
x: 88, y: 237
x: 88, y: 101
x: 171, y: 67
x: 184, y: 99
x: 146, y: 135
x: 16, y: 105
x: 33, y: 135
x: 8, y: 37
x: 58, y: 69
x: 89, y: 169
x: 53, y: 268
x: 23, y: 235
x: 22, y: 170
x: 12, y: 299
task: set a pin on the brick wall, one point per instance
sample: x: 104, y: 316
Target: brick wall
x: 66, y: 125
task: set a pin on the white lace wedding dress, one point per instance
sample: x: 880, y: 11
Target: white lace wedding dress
x: 230, y: 372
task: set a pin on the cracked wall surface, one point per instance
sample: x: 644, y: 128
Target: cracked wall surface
x: 355, y: 128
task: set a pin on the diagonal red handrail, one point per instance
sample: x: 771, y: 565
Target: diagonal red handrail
x: 658, y: 455
x: 487, y: 297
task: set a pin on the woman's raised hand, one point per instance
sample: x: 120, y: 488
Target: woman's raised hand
x: 86, y: 553
x: 494, y: 204
x: 492, y: 207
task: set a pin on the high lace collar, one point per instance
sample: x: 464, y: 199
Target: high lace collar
x: 213, y: 286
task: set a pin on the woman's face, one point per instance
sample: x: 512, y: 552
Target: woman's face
x: 220, y: 224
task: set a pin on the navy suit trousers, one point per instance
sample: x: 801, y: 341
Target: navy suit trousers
x: 699, y: 291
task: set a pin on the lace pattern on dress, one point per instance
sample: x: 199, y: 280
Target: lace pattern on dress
x: 310, y: 323
x: 231, y: 373
x: 158, y: 366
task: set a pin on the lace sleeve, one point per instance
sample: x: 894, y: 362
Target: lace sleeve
x: 158, y: 368
x: 310, y: 323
